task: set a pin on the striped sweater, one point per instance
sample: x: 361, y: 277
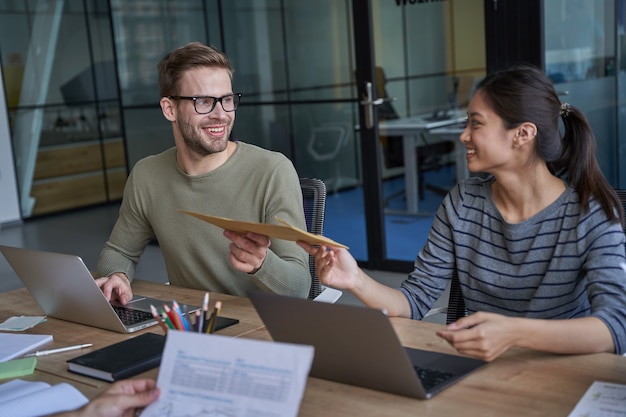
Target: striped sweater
x: 561, y: 263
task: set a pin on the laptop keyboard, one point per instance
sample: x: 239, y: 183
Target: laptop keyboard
x: 432, y: 377
x: 130, y: 317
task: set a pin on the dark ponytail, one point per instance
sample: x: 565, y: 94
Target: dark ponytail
x: 579, y: 162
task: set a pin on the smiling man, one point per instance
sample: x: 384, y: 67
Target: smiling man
x: 206, y: 172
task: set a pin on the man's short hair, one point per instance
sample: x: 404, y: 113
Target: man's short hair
x: 190, y: 56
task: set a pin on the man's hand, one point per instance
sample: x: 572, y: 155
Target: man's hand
x: 116, y: 287
x: 247, y: 252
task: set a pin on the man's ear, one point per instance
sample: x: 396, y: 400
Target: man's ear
x: 167, y: 107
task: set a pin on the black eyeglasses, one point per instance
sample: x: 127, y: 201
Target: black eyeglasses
x: 206, y: 104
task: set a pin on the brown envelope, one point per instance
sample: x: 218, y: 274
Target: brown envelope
x: 283, y: 231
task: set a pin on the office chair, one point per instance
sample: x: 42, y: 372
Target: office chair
x: 314, y: 204
x: 456, y: 304
x: 621, y: 194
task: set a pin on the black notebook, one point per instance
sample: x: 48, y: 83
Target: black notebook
x: 121, y: 360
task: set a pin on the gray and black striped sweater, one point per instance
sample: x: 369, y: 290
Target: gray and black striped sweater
x: 561, y: 263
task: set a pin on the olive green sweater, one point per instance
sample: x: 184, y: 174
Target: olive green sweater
x: 254, y: 185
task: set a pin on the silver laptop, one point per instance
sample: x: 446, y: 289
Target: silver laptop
x: 65, y: 289
x: 358, y: 346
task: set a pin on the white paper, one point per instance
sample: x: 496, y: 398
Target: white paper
x: 212, y: 375
x: 13, y: 345
x: 17, y: 324
x: 602, y: 399
x: 30, y: 399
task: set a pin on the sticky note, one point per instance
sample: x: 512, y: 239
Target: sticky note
x: 17, y: 367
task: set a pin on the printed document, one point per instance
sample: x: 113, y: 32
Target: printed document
x: 602, y: 399
x: 212, y: 375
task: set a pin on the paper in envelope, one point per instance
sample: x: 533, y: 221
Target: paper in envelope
x: 283, y: 230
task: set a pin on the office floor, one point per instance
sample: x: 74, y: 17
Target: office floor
x: 83, y: 232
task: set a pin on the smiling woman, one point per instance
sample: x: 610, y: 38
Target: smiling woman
x: 539, y: 258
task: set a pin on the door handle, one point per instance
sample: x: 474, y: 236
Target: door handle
x: 369, y: 104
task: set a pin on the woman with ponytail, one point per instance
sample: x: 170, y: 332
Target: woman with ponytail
x: 537, y: 244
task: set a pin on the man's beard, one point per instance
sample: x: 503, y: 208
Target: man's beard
x: 196, y: 144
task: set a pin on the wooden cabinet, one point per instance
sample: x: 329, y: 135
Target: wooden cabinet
x: 78, y: 174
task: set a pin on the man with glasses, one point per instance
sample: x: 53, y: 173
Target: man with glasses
x: 206, y: 172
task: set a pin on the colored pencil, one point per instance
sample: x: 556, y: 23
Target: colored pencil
x: 181, y: 318
x: 213, y: 319
x: 153, y: 310
x: 173, y: 318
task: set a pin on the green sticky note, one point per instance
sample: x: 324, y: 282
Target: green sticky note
x: 17, y: 367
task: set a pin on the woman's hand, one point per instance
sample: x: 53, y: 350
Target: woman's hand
x: 335, y: 266
x: 482, y: 335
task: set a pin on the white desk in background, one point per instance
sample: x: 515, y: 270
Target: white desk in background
x: 410, y: 129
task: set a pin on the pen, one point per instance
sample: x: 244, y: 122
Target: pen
x: 59, y: 350
x: 202, y: 317
x: 197, y: 325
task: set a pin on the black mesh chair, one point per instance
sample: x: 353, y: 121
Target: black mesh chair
x: 622, y: 198
x: 456, y: 303
x: 314, y: 204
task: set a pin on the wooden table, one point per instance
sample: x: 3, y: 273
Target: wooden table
x: 53, y: 368
x: 519, y: 383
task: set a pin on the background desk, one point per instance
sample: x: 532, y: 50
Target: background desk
x: 520, y: 383
x: 411, y: 129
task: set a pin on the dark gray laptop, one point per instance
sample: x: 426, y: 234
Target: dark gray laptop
x: 358, y: 346
x: 65, y: 289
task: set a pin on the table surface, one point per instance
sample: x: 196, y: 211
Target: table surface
x: 519, y: 383
x: 415, y: 124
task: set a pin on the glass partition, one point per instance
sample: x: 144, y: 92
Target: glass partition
x: 428, y: 58
x: 58, y: 64
x: 580, y: 58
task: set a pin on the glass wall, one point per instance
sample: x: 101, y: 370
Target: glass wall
x: 82, y: 92
x: 581, y: 60
x: 296, y: 88
x: 428, y: 57
x: 58, y: 66
x: 620, y: 14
